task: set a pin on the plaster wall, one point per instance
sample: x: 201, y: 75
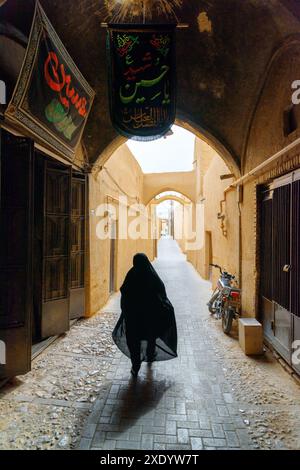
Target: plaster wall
x: 121, y: 176
x: 267, y: 136
x: 221, y: 234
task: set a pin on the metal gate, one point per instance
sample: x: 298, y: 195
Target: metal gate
x: 78, y: 237
x: 280, y: 264
x: 16, y: 220
x: 56, y: 252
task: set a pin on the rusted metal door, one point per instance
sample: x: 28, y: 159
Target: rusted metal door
x: 16, y: 221
x: 266, y: 263
x: 78, y: 237
x: 56, y: 249
x: 280, y: 264
x: 295, y: 270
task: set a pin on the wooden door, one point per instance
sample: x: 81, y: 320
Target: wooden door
x: 266, y: 264
x: 280, y: 264
x: 78, y: 237
x: 16, y: 221
x: 281, y: 290
x: 56, y: 249
x: 295, y: 268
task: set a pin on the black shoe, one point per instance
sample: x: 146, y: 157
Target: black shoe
x: 135, y: 370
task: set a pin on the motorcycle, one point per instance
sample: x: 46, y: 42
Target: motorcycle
x: 225, y: 302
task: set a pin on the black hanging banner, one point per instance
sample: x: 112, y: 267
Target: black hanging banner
x: 52, y: 99
x: 142, y: 79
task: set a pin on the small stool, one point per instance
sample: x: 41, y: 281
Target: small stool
x: 251, y: 336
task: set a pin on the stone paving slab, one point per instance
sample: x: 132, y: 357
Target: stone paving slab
x: 47, y: 408
x: 211, y: 397
x: 182, y: 404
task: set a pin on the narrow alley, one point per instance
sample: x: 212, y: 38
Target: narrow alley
x: 210, y: 397
x: 144, y: 145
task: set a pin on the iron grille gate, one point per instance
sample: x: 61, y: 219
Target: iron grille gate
x: 78, y: 237
x: 281, y: 245
x: 295, y: 272
x: 16, y: 217
x: 42, y: 249
x: 280, y: 264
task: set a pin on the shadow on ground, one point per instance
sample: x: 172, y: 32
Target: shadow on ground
x: 128, y: 407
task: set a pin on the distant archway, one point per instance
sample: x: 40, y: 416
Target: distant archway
x: 172, y: 215
x: 181, y: 182
x: 156, y: 202
x: 170, y: 195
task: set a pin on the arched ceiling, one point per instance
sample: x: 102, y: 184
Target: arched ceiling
x: 222, y: 58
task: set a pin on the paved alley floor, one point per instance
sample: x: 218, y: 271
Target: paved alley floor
x: 80, y: 394
x: 191, y: 402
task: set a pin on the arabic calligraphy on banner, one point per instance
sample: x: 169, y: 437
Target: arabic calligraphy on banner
x: 142, y: 82
x: 52, y: 98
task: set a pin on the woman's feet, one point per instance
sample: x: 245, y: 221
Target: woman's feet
x: 134, y: 373
x: 135, y: 369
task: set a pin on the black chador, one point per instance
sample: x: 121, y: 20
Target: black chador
x: 146, y: 330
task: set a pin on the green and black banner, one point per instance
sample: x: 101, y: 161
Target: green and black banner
x: 55, y: 96
x: 142, y: 79
x: 52, y: 99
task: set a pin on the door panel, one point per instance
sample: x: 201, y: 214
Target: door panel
x: 296, y: 336
x: 266, y: 265
x: 77, y: 270
x: 56, y: 235
x: 295, y: 272
x: 78, y: 236
x: 281, y: 273
x: 267, y: 307
x: 56, y: 279
x: 16, y: 216
x: 282, y: 331
x: 266, y: 246
x: 280, y: 286
x: 295, y: 255
x: 281, y: 245
x: 56, y: 257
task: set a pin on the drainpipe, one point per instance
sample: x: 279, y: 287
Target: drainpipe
x: 263, y: 165
x: 240, y: 264
x: 239, y: 197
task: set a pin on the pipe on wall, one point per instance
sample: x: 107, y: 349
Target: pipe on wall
x: 263, y: 165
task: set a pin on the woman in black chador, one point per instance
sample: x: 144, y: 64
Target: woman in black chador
x: 146, y: 330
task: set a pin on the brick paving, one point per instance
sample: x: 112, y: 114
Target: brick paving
x: 185, y: 403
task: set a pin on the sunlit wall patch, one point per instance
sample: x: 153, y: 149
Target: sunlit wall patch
x: 2, y: 92
x: 204, y: 23
x: 2, y: 353
x: 129, y: 10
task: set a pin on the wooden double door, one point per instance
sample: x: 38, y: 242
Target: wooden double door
x: 42, y: 279
x: 280, y: 264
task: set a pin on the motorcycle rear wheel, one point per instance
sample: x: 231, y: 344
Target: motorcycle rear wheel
x: 227, y: 320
